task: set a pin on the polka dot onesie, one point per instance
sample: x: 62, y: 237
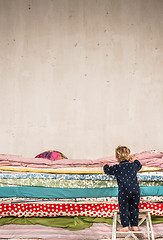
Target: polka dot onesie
x: 128, y: 190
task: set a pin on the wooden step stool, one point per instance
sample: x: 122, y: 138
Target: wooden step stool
x: 143, y: 215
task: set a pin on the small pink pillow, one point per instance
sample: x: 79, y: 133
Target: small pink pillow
x: 51, y: 154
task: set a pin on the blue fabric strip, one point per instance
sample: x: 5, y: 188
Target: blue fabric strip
x: 43, y: 192
x: 57, y: 176
x: 147, y: 176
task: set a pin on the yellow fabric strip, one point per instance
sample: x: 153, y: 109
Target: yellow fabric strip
x: 71, y: 170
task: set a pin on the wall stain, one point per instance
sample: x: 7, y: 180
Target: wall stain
x: 29, y: 5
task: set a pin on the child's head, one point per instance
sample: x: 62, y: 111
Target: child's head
x: 122, y: 153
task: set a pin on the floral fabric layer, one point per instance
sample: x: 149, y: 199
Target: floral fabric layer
x: 62, y: 183
x: 145, y: 176
x: 145, y: 199
x: 70, y: 209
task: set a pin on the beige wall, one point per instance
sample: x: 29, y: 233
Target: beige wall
x: 81, y: 76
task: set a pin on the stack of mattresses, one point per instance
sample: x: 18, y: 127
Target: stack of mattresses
x: 70, y: 194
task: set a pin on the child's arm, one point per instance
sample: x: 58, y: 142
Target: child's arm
x: 109, y: 170
x: 138, y: 164
x: 134, y: 160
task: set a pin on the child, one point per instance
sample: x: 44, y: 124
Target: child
x: 128, y: 187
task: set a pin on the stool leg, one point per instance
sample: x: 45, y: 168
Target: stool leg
x: 150, y: 225
x: 148, y: 229
x: 114, y: 229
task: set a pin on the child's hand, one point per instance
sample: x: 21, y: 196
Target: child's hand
x: 105, y: 164
x: 133, y: 158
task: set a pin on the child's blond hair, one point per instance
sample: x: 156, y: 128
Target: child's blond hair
x: 122, y: 153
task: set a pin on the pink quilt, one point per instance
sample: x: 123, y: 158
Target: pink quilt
x: 148, y: 158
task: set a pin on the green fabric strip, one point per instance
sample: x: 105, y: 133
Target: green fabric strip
x: 69, y: 223
x: 62, y: 183
x: 45, y: 192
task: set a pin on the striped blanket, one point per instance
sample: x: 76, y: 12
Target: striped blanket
x: 96, y: 231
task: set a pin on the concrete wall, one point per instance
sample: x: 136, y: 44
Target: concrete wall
x: 80, y: 76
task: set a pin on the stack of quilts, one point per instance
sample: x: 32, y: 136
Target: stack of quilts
x: 53, y: 191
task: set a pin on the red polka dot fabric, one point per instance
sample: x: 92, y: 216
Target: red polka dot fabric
x: 69, y: 209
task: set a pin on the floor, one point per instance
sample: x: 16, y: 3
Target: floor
x: 83, y: 239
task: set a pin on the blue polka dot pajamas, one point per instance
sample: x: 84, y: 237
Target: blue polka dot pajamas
x: 128, y: 190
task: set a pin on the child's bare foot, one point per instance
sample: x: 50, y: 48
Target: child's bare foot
x: 124, y: 229
x: 135, y: 228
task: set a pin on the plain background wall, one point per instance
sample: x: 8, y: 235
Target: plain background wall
x: 81, y: 76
